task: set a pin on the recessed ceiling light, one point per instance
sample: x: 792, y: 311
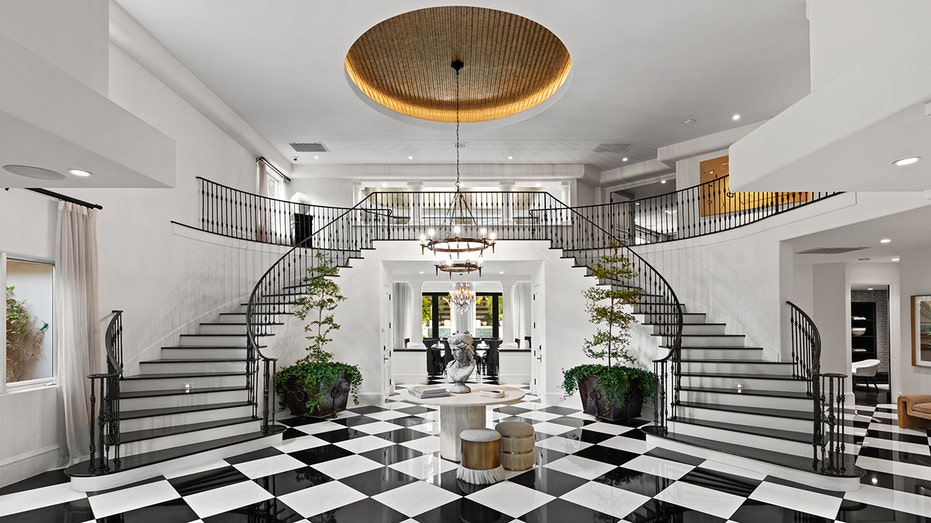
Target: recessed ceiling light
x: 79, y: 172
x: 316, y: 157
x: 902, y: 162
x: 662, y: 181
x: 735, y: 117
x: 410, y: 157
x: 624, y: 159
x: 36, y: 173
x: 895, y: 259
x: 689, y: 121
x: 885, y: 240
x: 869, y: 288
x: 421, y: 272
x: 500, y: 272
x: 510, y: 157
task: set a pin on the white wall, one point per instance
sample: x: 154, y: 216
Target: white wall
x: 333, y: 192
x: 914, y: 279
x: 831, y: 313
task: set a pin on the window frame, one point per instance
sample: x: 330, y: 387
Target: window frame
x: 496, y: 311
x: 36, y: 383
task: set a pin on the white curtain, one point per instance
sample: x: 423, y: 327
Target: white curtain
x: 261, y: 220
x: 77, y: 331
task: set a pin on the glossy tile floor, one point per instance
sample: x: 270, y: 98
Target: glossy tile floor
x: 381, y: 464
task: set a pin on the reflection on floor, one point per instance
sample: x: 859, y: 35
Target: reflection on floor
x: 381, y: 464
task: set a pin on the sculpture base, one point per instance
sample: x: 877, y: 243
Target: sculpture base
x: 458, y: 388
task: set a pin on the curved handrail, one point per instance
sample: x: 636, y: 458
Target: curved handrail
x: 106, y: 418
x: 806, y: 365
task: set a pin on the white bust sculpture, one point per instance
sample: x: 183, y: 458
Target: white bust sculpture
x: 463, y: 363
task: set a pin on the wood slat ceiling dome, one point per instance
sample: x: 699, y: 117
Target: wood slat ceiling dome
x: 511, y: 63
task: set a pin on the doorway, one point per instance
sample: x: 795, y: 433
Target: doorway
x: 870, y: 343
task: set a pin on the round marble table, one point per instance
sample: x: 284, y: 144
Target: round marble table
x: 459, y: 412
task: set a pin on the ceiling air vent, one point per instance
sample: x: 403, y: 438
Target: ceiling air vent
x: 309, y: 147
x: 830, y: 250
x: 616, y: 148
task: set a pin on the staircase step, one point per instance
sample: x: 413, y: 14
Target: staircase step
x: 737, y: 367
x: 748, y: 354
x: 692, y: 328
x: 214, y: 340
x: 758, y: 382
x: 663, y: 319
x: 731, y: 397
x: 204, y: 352
x: 176, y: 380
x: 137, y: 442
x: 141, y: 400
x: 713, y: 340
x: 192, y: 365
x: 795, y: 468
x: 145, y: 465
x: 792, y: 420
x: 770, y: 439
x: 150, y: 419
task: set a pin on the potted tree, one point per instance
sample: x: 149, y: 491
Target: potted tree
x: 610, y: 390
x: 315, y: 385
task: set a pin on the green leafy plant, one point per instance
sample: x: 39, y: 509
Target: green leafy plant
x: 608, y: 306
x: 313, y: 375
x: 23, y: 339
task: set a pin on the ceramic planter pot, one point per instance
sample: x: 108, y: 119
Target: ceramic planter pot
x: 337, y: 394
x: 594, y: 401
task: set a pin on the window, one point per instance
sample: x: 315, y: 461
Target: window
x: 437, y: 317
x: 29, y: 348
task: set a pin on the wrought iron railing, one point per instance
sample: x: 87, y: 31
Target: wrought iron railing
x: 694, y: 211
x: 409, y: 215
x: 825, y: 390
x: 105, y: 415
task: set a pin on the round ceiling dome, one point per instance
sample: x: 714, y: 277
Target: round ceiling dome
x: 511, y: 63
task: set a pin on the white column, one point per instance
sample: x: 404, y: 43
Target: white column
x: 507, y: 202
x: 415, y: 321
x: 509, y: 331
x: 416, y: 205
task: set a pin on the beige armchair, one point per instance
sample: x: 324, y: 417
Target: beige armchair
x: 915, y: 411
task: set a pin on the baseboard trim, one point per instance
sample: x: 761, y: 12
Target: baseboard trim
x: 28, y: 464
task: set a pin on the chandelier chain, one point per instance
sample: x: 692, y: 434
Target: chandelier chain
x: 457, y: 128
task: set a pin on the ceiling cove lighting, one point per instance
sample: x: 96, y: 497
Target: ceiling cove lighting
x: 79, y: 172
x: 902, y: 162
x: 459, y: 243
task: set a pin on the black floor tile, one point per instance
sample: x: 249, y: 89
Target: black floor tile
x: 207, y: 480
x: 415, y: 410
x: 174, y: 511
x: 321, y: 454
x: 894, y: 482
x: 291, y: 434
x: 366, y: 510
x: 588, y: 436
x: 635, y: 481
x: 571, y: 422
x: 266, y: 511
x: 409, y: 421
x: 675, y: 456
x: 655, y: 510
x: 607, y: 455
x: 463, y: 510
x: 753, y: 510
x: 562, y: 411
x: 402, y: 435
x: 79, y: 510
x: 799, y: 486
x: 335, y: 436
x: 562, y: 510
x: 292, y: 481
x: 545, y: 456
x: 512, y: 410
x: 448, y: 481
x: 894, y: 436
x: 45, y: 479
x: 855, y: 512
x: 892, y: 455
x: 546, y: 480
x: 354, y: 421
x: 391, y: 455
x: 377, y: 481
x: 254, y: 455
x: 721, y: 481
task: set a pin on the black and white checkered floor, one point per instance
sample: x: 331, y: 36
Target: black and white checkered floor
x: 381, y: 464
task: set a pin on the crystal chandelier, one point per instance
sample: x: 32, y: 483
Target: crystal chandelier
x: 459, y: 243
x: 462, y: 295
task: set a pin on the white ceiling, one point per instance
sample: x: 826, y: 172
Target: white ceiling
x: 639, y: 70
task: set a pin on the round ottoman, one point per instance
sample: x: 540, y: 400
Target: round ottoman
x: 481, y: 457
x: 516, y: 444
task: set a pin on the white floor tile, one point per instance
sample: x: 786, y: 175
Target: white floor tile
x: 893, y: 467
x: 627, y: 444
x: 796, y: 499
x: 606, y: 499
x: 301, y: 443
x: 702, y: 499
x: 260, y: 468
x: 510, y: 498
x: 896, y: 429
x: 318, y: 428
x: 553, y: 429
x: 216, y: 464
x: 899, y: 446
x: 580, y: 467
x: 582, y: 415
x: 607, y: 428
x: 564, y: 445
x: 532, y: 405
x: 38, y: 498
x: 225, y: 499
x: 124, y: 500
x: 731, y: 469
x: 348, y: 466
x: 364, y: 444
x: 427, y: 428
x: 540, y: 415
x: 892, y: 499
x: 386, y: 415
x: 427, y: 445
x: 424, y: 467
x: 346, y: 414
x: 377, y: 427
x: 321, y: 498
x: 659, y: 467
x: 885, y: 415
x: 415, y: 498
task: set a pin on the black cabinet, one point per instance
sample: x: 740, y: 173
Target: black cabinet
x: 863, y: 330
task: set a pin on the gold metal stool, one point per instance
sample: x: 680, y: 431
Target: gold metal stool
x: 481, y: 457
x: 516, y: 445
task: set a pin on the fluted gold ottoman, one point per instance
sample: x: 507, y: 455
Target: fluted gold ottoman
x: 481, y: 457
x: 516, y: 444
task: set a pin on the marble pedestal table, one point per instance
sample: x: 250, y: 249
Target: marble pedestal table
x: 459, y: 412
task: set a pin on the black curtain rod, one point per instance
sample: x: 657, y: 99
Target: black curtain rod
x: 268, y: 163
x: 62, y: 197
